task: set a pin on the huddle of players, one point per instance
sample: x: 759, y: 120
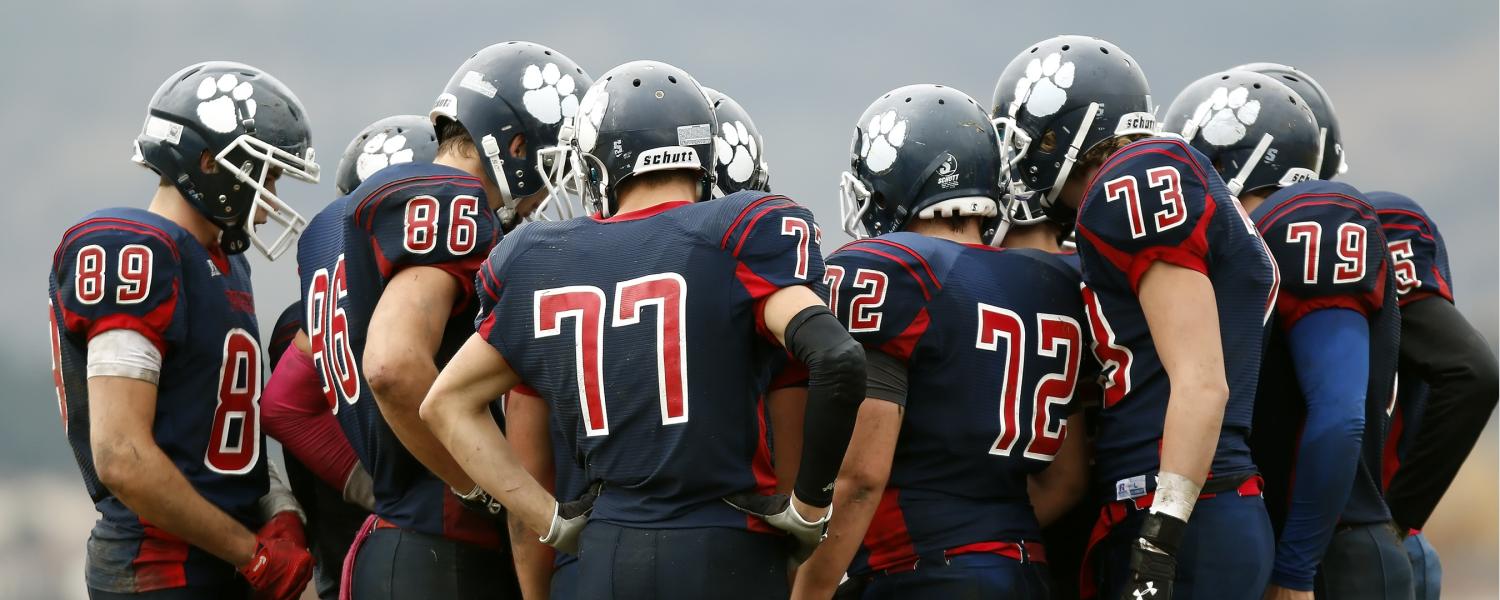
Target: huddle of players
x: 657, y: 456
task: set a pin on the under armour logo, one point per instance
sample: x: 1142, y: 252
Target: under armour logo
x: 1149, y: 589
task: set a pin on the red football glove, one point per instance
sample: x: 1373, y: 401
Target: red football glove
x: 279, y: 570
x: 284, y: 526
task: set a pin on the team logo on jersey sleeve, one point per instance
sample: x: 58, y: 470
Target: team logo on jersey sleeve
x: 1223, y: 117
x: 736, y: 150
x: 1044, y: 89
x: 218, y: 96
x: 549, y: 93
x: 882, y: 138
x: 381, y: 151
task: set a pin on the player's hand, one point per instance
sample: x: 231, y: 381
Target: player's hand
x: 279, y: 570
x: 1276, y: 592
x: 778, y: 512
x: 1153, y: 562
x: 285, y: 526
x: 569, y: 519
x: 481, y: 502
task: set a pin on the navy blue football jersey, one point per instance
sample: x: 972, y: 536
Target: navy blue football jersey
x: 992, y: 340
x: 131, y: 269
x: 1419, y: 258
x: 1419, y: 261
x: 1160, y: 200
x: 643, y: 331
x: 415, y: 214
x: 1328, y: 243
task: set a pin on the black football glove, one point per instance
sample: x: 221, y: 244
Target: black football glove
x: 481, y: 502
x: 777, y: 511
x: 1153, y: 562
x: 568, y: 520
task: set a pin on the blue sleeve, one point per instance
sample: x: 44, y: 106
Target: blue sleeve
x: 1331, y: 348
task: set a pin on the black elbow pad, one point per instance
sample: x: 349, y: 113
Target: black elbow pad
x: 836, y: 386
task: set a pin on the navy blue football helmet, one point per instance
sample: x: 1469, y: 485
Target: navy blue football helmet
x: 253, y: 126
x: 1331, y: 161
x: 1256, y: 132
x: 739, y: 148
x: 389, y: 141
x: 510, y: 89
x: 1056, y: 101
x: 924, y: 152
x: 639, y: 117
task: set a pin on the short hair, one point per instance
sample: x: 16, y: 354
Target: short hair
x: 656, y: 179
x: 454, y: 139
x: 1107, y: 148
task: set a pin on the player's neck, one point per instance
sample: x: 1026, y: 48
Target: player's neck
x: 939, y: 228
x: 470, y: 163
x: 169, y: 203
x: 1041, y: 236
x: 1251, y: 200
x: 639, y: 197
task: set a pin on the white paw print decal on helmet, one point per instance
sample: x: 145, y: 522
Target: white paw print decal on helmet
x: 590, y: 115
x: 218, y: 96
x: 736, y: 150
x: 1222, y: 118
x: 549, y: 93
x: 1044, y: 89
x: 381, y: 151
x: 882, y: 137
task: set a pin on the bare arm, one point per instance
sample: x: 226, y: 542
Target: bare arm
x: 457, y: 410
x: 861, y: 482
x: 1181, y: 312
x: 404, y: 334
x: 526, y: 428
x: 787, y: 406
x: 1055, y: 490
x: 133, y: 467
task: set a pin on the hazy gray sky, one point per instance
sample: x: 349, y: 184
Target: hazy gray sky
x: 1415, y: 87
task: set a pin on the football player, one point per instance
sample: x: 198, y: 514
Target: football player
x: 1327, y: 375
x: 1447, y: 382
x: 1178, y: 288
x: 1463, y: 371
x: 739, y: 165
x: 1030, y: 225
x: 973, y: 353
x: 387, y: 278
x: 335, y: 489
x: 666, y: 314
x: 156, y: 350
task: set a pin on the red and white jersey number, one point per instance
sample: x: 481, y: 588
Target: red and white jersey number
x: 1174, y: 208
x: 1114, y: 359
x: 585, y: 304
x: 1406, y: 270
x: 234, y: 437
x: 798, y: 227
x: 833, y: 276
x: 864, y: 313
x: 133, y: 269
x: 1350, y: 249
x: 1002, y: 330
x: 328, y: 335
x: 420, y: 232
